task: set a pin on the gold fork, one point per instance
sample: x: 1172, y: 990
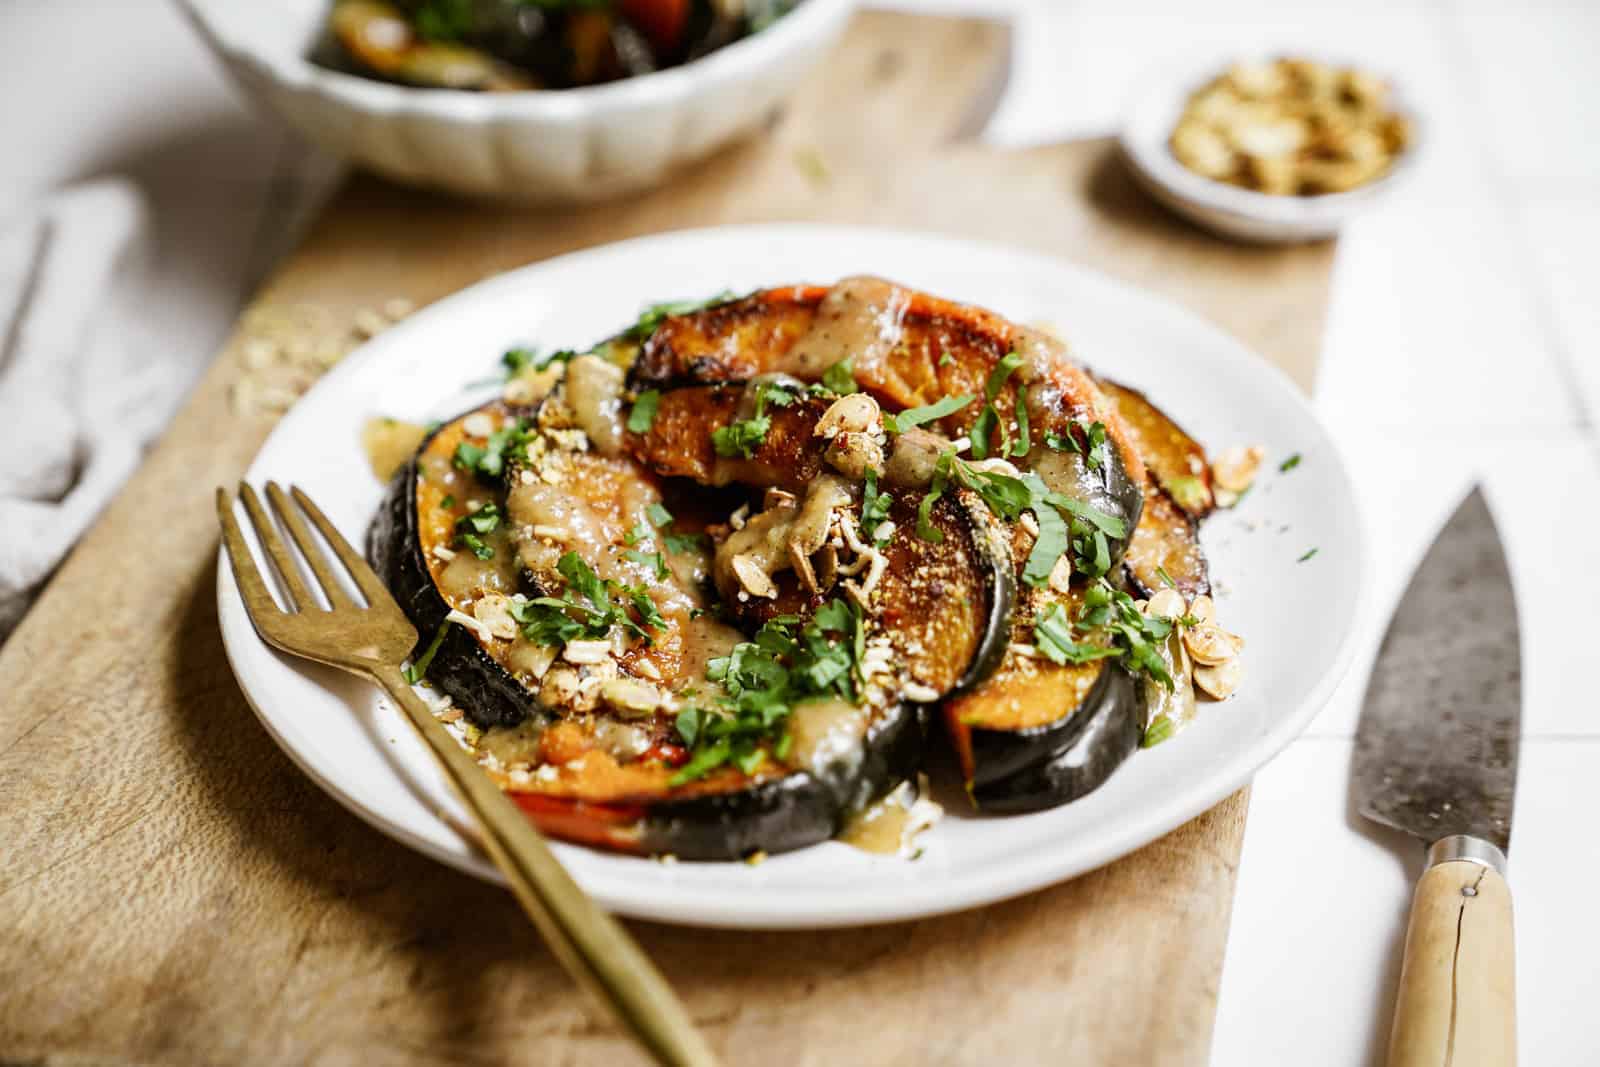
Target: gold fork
x: 372, y: 642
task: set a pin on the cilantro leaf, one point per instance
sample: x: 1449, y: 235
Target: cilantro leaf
x: 643, y: 414
x: 874, y: 507
x: 652, y: 316
x: 1024, y: 443
x: 841, y: 378
x: 903, y: 421
x: 941, y: 478
x: 651, y: 559
x: 419, y: 667
x: 743, y: 437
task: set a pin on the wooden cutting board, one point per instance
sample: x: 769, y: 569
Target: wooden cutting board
x: 172, y: 889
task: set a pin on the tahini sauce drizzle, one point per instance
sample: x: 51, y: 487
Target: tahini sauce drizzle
x: 890, y: 826
x: 862, y: 319
x: 388, y: 443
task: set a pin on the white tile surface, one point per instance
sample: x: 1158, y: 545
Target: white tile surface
x: 1321, y: 909
x: 1532, y: 77
x: 1563, y: 230
x: 1545, y: 494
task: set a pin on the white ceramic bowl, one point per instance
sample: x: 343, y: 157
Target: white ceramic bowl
x: 1227, y: 209
x: 551, y: 146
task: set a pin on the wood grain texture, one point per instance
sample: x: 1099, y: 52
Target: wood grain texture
x: 1457, y: 1000
x: 172, y: 889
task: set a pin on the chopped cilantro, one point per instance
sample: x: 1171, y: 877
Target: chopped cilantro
x: 485, y: 520
x: 489, y: 460
x: 1109, y: 623
x: 419, y: 667
x: 643, y: 414
x: 941, y: 478
x: 1053, y: 541
x: 841, y: 378
x: 1161, y: 572
x: 1290, y: 463
x: 587, y: 608
x: 982, y: 431
x: 1024, y: 442
x: 652, y: 316
x: 1006, y: 496
x: 448, y: 501
x: 764, y: 679
x: 1158, y: 731
x: 989, y: 418
x: 652, y: 559
x: 517, y: 360
x: 703, y: 762
x: 743, y: 437
x: 681, y: 543
x: 659, y: 515
x: 688, y: 724
x: 903, y: 421
x: 1095, y: 457
x: 640, y: 532
x: 1053, y: 637
x: 1308, y: 554
x: 475, y: 544
x: 1188, y: 492
x: 874, y: 507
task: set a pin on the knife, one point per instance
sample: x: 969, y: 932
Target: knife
x: 1436, y: 756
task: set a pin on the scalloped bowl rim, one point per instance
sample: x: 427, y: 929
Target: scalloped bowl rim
x: 733, y: 62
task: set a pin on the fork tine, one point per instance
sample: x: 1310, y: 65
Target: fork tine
x: 309, y: 549
x: 300, y: 597
x: 258, y: 600
x: 365, y: 579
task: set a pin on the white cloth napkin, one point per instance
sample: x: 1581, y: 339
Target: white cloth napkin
x: 77, y: 405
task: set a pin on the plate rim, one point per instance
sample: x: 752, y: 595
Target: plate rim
x: 773, y: 908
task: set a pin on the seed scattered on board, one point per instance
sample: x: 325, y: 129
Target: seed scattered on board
x: 283, y: 351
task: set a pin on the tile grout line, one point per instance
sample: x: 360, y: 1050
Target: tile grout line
x: 1470, y: 89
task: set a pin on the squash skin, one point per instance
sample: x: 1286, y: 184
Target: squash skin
x: 800, y: 809
x: 461, y: 667
x: 1109, y: 732
x: 998, y: 755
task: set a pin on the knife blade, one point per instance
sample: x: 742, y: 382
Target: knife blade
x: 1436, y: 757
x: 1436, y: 746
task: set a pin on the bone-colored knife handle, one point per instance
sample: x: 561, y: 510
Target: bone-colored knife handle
x: 1457, y: 1005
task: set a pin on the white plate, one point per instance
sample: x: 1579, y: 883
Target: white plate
x: 1296, y: 617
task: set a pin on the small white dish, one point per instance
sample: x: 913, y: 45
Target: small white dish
x: 1297, y: 617
x: 569, y: 145
x: 1229, y: 210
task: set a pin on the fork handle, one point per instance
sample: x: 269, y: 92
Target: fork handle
x: 591, y: 945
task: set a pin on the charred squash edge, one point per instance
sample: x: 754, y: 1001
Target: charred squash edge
x: 461, y: 667
x: 1178, y: 527
x: 1108, y: 733
x: 1165, y: 465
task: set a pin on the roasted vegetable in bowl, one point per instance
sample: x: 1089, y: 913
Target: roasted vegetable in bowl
x: 697, y: 590
x: 509, y: 45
